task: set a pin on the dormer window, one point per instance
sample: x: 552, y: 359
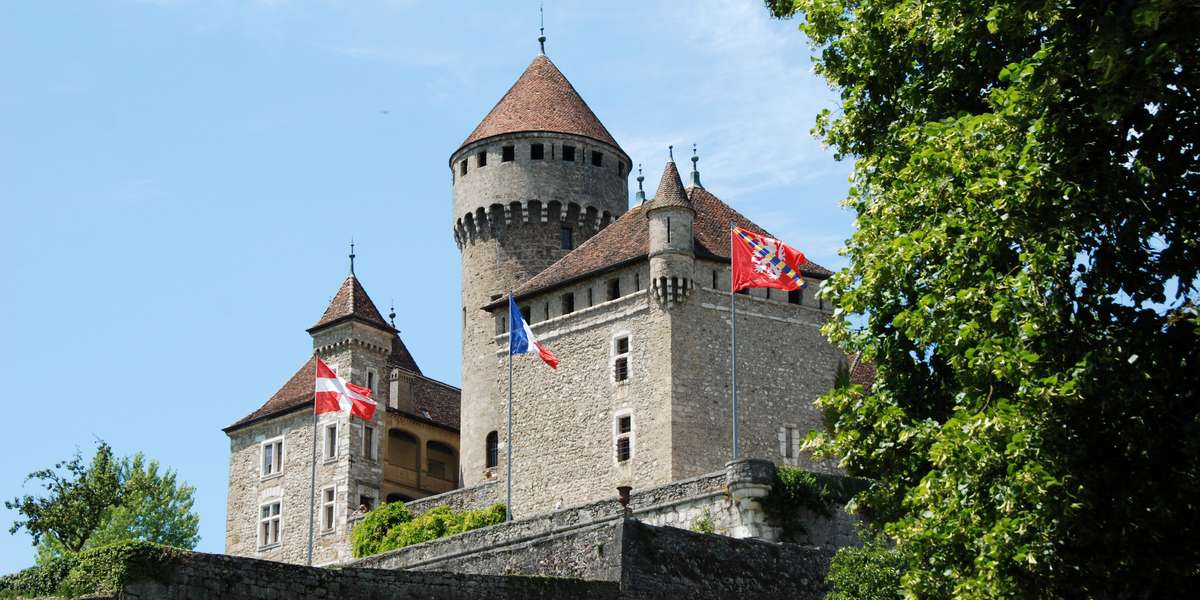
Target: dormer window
x: 568, y: 154
x: 537, y: 151
x: 597, y: 159
x: 507, y: 153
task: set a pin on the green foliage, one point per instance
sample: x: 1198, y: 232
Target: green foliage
x: 97, y: 571
x: 795, y: 489
x: 397, y: 528
x: 704, y: 524
x: 1023, y: 275
x: 367, y: 537
x: 78, y: 496
x: 869, y: 572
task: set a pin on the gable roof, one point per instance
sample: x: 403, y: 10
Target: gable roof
x: 542, y: 100
x: 626, y: 241
x: 351, y: 302
x: 434, y: 401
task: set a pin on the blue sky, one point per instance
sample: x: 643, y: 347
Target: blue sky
x: 180, y: 179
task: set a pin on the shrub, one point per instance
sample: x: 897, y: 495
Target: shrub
x: 704, y: 523
x: 102, y: 570
x: 870, y: 572
x: 795, y: 489
x: 368, y: 534
x: 437, y: 522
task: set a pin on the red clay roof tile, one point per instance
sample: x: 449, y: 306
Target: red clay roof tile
x: 351, y: 301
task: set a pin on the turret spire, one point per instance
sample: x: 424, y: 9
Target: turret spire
x: 641, y: 194
x: 695, y: 169
x: 351, y: 256
x: 541, y: 30
x: 392, y: 314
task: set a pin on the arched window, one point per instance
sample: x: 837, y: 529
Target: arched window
x: 403, y: 449
x: 493, y: 449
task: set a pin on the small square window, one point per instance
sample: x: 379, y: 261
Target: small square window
x: 625, y: 424
x: 568, y: 153
x: 462, y: 167
x: 568, y: 303
x: 597, y: 159
x: 614, y: 289
x: 623, y: 345
x: 795, y: 297
x: 537, y: 151
x: 507, y: 153
x: 366, y: 503
x: 566, y: 238
x: 481, y: 159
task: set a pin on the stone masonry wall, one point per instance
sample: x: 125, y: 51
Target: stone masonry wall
x: 213, y: 577
x: 504, y: 244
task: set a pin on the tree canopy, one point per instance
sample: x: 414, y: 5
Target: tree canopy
x: 1024, y: 277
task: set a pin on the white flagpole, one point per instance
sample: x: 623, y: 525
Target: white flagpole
x: 733, y: 344
x: 312, y: 482
x: 508, y: 441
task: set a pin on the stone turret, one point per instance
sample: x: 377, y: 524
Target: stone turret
x: 536, y: 178
x: 671, y: 252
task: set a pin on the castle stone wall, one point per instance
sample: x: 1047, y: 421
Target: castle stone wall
x: 507, y: 220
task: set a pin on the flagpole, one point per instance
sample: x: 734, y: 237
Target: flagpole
x: 312, y: 481
x: 508, y: 441
x: 733, y: 344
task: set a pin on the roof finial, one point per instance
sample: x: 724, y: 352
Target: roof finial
x: 392, y: 314
x: 671, y: 153
x: 641, y: 194
x: 541, y: 30
x: 695, y: 169
x: 351, y: 256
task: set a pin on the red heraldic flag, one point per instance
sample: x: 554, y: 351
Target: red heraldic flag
x: 335, y: 394
x: 760, y: 261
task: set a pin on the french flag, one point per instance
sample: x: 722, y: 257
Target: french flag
x: 521, y: 340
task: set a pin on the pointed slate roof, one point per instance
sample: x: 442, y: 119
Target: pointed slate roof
x: 670, y: 190
x: 351, y: 302
x: 541, y: 100
x: 626, y: 241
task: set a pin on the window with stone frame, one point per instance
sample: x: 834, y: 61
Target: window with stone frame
x: 371, y: 382
x: 789, y: 444
x: 507, y: 153
x: 623, y: 436
x: 566, y: 238
x: 270, y: 524
x: 368, y: 442
x: 272, y: 457
x: 568, y: 153
x: 537, y: 151
x: 620, y: 360
x: 492, y: 450
x: 368, y: 497
x: 328, y: 508
x: 329, y: 443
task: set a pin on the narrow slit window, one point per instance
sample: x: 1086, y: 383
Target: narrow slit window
x: 589, y: 298
x: 492, y: 450
x: 623, y: 435
x: 546, y: 311
x: 566, y: 238
x: 368, y: 447
x: 462, y: 167
x: 621, y: 358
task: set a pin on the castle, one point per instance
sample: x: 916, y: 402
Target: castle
x: 634, y: 302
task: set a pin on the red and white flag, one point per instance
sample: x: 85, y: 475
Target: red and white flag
x: 335, y: 394
x: 760, y: 261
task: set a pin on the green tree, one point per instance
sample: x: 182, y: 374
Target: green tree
x: 78, y: 496
x: 142, y: 502
x: 1024, y: 277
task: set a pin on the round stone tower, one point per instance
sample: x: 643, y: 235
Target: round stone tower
x: 536, y: 178
x: 672, y: 255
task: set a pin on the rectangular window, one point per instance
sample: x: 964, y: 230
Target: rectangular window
x: 789, y: 443
x: 272, y: 457
x: 270, y: 519
x: 795, y: 297
x: 537, y: 151
x: 614, y: 288
x: 589, y: 295
x: 714, y: 279
x: 368, y: 447
x: 621, y: 358
x: 328, y: 507
x: 366, y: 503
x: 568, y: 303
x: 546, y: 311
x: 501, y: 324
x: 507, y: 153
x: 623, y: 437
x: 568, y: 153
x: 462, y: 167
x: 331, y: 441
x: 481, y: 159
x: 527, y: 313
x: 637, y: 282
x: 620, y: 169
x: 597, y: 159
x: 566, y: 238
x: 371, y: 382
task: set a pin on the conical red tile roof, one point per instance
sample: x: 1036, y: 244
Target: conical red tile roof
x: 670, y: 190
x: 541, y: 100
x: 351, y: 301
